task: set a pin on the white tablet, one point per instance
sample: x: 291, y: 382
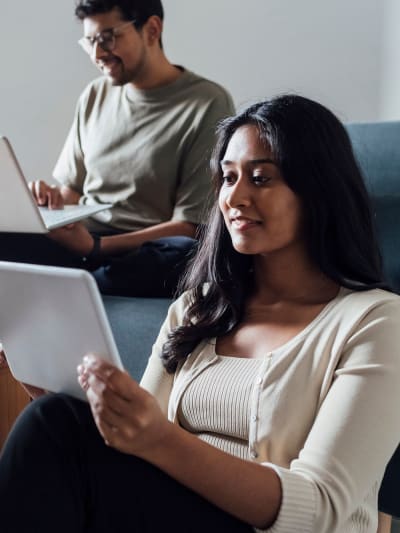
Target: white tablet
x: 50, y: 317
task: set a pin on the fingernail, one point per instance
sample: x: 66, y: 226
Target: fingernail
x: 108, y: 372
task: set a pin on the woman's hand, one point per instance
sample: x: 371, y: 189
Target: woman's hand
x: 33, y: 392
x: 127, y: 416
x: 74, y: 237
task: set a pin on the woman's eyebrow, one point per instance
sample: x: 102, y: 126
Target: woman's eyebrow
x: 251, y: 161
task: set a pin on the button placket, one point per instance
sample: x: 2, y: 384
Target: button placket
x: 254, y: 417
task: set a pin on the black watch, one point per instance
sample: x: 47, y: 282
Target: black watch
x: 95, y: 252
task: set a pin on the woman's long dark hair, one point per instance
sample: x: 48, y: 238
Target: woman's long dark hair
x: 315, y: 157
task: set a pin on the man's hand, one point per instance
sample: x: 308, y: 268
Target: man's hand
x: 46, y: 195
x: 75, y: 237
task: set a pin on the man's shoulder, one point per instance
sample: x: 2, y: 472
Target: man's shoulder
x: 99, y: 85
x: 195, y: 79
x: 206, y: 88
x: 99, y: 93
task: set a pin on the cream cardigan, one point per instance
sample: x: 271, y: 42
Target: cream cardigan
x: 325, y: 409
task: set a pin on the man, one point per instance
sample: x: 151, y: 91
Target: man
x: 140, y: 140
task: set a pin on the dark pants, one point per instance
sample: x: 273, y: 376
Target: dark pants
x: 57, y: 475
x: 153, y: 269
x: 389, y: 494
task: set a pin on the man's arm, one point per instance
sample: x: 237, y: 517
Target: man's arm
x: 78, y: 239
x: 128, y: 241
x: 69, y: 195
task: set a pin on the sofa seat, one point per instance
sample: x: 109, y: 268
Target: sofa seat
x: 135, y: 323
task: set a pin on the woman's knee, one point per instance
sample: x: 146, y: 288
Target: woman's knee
x: 55, y: 414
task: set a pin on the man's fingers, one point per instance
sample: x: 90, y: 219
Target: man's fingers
x: 45, y: 194
x: 54, y: 198
x: 38, y: 189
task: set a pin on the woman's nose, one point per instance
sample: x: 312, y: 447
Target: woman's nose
x: 239, y: 194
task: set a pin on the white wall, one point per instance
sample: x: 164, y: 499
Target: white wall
x: 390, y: 75
x: 332, y: 51
x: 328, y: 50
x: 42, y: 72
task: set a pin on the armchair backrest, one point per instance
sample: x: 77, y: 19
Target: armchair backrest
x: 377, y: 148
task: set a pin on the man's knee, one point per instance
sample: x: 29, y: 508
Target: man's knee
x: 153, y: 270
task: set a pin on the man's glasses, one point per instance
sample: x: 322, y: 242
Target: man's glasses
x: 106, y: 39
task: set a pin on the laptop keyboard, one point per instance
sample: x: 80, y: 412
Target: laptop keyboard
x: 70, y: 213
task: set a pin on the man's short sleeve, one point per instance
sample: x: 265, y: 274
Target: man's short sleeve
x: 195, y: 182
x: 70, y: 167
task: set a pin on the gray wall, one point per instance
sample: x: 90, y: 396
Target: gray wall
x: 335, y: 51
x: 390, y: 79
x: 328, y: 50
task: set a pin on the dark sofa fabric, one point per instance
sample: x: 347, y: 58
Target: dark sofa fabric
x: 135, y: 323
x: 377, y: 148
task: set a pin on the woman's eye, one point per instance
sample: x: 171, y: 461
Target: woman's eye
x: 260, y: 180
x: 228, y: 179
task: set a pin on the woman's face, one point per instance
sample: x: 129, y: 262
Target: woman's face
x: 262, y: 214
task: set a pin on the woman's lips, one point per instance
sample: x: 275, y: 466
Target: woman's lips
x: 244, y: 223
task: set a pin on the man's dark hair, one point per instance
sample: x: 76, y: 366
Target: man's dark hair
x: 314, y: 154
x: 139, y: 10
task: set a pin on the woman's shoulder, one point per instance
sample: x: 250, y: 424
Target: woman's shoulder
x: 370, y: 297
x: 184, y: 302
x: 352, y: 305
x: 179, y: 307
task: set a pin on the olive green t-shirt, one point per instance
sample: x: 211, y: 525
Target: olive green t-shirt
x: 144, y: 151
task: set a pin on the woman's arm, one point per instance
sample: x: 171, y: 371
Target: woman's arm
x: 384, y: 523
x: 353, y: 435
x: 130, y: 420
x: 141, y: 427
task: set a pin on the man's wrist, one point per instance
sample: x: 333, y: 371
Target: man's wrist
x: 95, y: 252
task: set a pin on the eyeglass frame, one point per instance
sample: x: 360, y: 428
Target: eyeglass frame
x: 88, y: 43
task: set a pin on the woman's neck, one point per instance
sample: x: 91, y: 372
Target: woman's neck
x: 291, y: 278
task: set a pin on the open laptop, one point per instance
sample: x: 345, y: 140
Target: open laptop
x: 50, y: 317
x: 18, y: 209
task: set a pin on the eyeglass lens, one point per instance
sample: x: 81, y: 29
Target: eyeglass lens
x: 104, y: 39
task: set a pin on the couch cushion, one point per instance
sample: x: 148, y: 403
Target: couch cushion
x: 376, y: 146
x: 135, y: 323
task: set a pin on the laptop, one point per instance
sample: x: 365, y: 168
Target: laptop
x: 50, y: 317
x: 19, y: 212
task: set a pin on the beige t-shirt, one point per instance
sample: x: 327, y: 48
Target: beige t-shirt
x: 145, y: 151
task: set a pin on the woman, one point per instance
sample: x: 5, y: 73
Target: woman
x: 270, y: 399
